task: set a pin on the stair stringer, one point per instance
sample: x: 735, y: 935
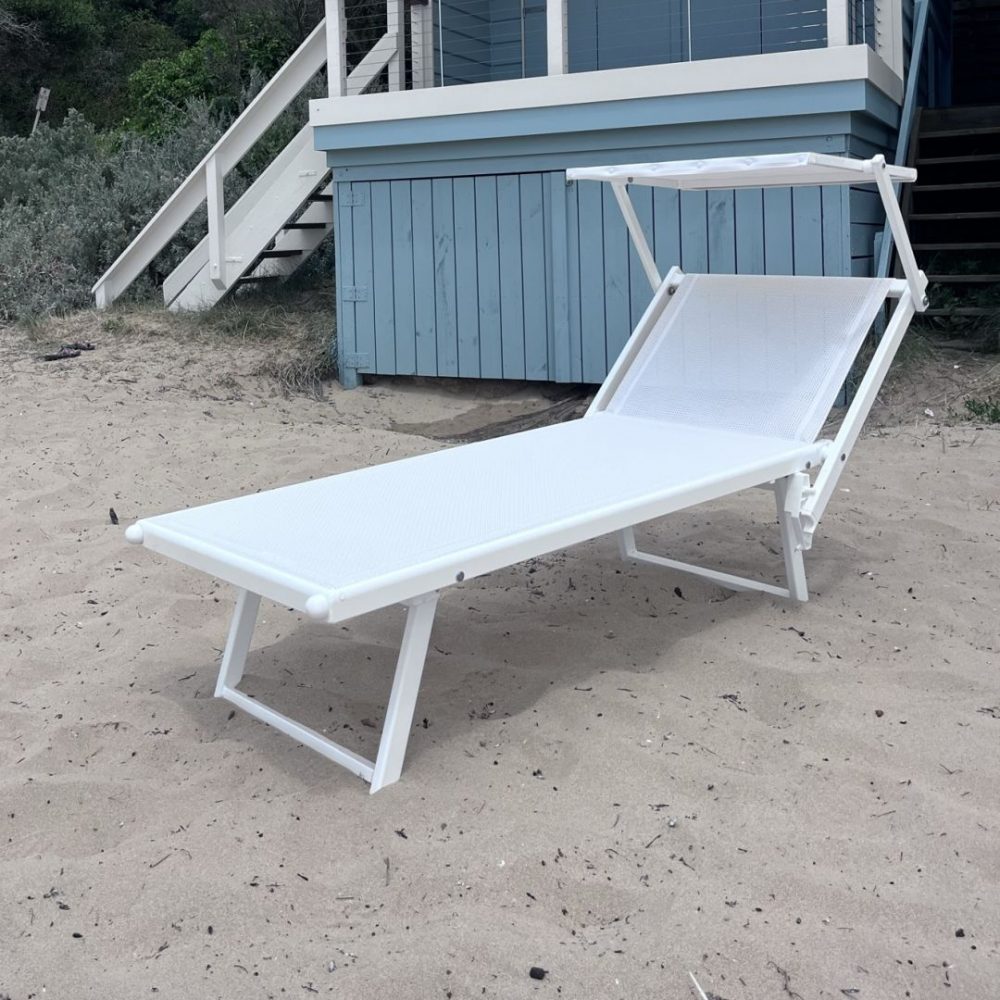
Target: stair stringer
x: 258, y: 217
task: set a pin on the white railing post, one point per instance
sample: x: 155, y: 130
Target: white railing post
x: 394, y: 28
x: 837, y: 22
x: 336, y: 53
x: 422, y: 44
x: 214, y: 185
x: 556, y: 37
x: 889, y: 33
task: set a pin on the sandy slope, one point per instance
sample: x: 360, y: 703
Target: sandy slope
x: 619, y: 774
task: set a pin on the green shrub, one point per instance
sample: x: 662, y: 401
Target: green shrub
x: 986, y: 410
x: 72, y: 198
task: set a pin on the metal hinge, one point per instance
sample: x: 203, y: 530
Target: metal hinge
x: 354, y: 293
x: 357, y: 360
x: 350, y: 198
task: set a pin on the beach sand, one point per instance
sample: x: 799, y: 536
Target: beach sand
x: 617, y: 774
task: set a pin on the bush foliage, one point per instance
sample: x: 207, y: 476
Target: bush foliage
x: 72, y: 198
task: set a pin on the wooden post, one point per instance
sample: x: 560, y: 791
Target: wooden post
x: 837, y: 23
x: 214, y: 182
x: 556, y: 37
x: 336, y: 53
x: 422, y: 44
x: 394, y: 26
x: 889, y: 32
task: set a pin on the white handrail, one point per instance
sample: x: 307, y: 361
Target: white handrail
x: 258, y: 116
x: 205, y: 182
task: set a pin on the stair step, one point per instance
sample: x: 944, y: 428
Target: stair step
x: 281, y: 253
x: 248, y: 278
x: 964, y: 186
x: 322, y: 197
x: 958, y: 130
x: 970, y: 279
x: 970, y: 158
x: 305, y: 225
x: 956, y: 246
x: 962, y: 311
x: 926, y: 216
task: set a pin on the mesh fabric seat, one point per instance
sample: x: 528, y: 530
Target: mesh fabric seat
x: 751, y: 354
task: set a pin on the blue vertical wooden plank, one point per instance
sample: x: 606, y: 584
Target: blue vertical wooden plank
x: 445, y: 323
x: 721, y: 232
x: 573, y: 281
x: 466, y: 279
x: 666, y: 228
x: 582, y: 36
x: 382, y: 280
x: 511, y: 284
x: 694, y: 232
x: 640, y: 291
x: 490, y: 357
x: 807, y: 229
x: 591, y: 241
x: 749, y: 207
x: 617, y: 287
x: 778, y: 231
x: 344, y: 264
x: 836, y: 248
x: 536, y: 346
x: 423, y: 277
x: 402, y: 277
x: 364, y: 308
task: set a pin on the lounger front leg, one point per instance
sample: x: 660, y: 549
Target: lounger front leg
x: 238, y: 644
x: 405, y: 686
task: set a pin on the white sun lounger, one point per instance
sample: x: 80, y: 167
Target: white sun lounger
x: 724, y: 385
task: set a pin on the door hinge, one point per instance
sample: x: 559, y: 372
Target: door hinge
x: 357, y: 360
x: 350, y: 198
x: 354, y: 293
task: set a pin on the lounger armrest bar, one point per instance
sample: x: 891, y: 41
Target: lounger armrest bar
x: 819, y: 495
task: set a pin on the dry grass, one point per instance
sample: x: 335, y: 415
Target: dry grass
x: 291, y: 331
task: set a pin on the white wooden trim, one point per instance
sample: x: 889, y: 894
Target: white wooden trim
x: 336, y: 54
x: 846, y: 62
x: 837, y: 22
x: 394, y: 29
x: 214, y: 188
x: 422, y: 45
x: 556, y: 35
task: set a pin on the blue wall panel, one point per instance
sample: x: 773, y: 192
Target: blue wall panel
x: 526, y: 276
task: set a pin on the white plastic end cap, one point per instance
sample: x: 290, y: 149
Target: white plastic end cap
x: 318, y: 607
x: 133, y: 534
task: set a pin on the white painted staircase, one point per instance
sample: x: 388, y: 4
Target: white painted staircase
x: 287, y: 211
x: 280, y: 220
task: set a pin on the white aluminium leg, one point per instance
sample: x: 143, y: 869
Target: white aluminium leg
x: 399, y: 716
x: 789, y: 503
x: 238, y: 644
x: 795, y: 571
x: 405, y: 685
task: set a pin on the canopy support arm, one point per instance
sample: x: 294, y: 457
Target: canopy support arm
x: 638, y: 236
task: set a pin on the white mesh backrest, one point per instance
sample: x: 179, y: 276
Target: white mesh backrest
x: 755, y: 354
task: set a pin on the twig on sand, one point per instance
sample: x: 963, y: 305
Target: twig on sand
x: 786, y: 980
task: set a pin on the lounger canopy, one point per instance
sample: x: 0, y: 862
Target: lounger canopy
x: 771, y: 170
x: 724, y: 385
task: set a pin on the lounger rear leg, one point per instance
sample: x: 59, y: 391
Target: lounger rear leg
x: 238, y: 644
x: 791, y: 543
x: 405, y: 686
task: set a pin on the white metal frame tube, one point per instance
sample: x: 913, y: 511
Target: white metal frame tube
x: 556, y: 36
x: 336, y: 50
